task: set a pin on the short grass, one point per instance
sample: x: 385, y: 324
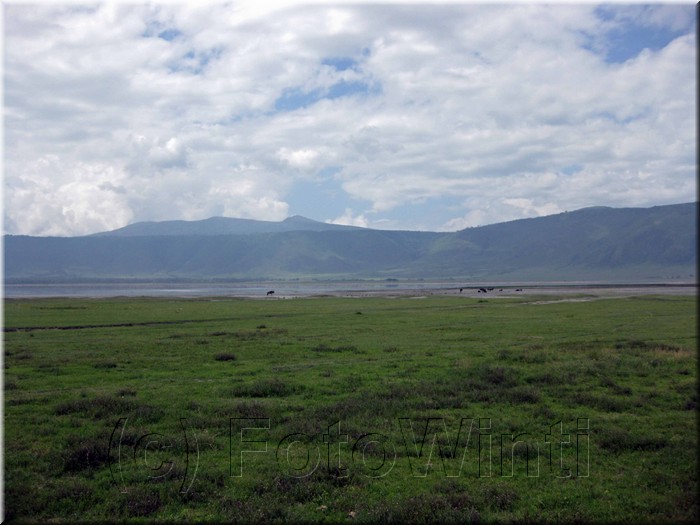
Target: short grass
x: 330, y: 409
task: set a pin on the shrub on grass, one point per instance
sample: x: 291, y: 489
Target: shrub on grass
x: 614, y: 439
x: 423, y: 508
x: 85, y: 454
x: 324, y: 348
x: 523, y: 394
x: 254, y: 510
x: 109, y: 407
x: 142, y: 501
x: 266, y: 388
x: 20, y: 401
x: 501, y: 498
x: 299, y: 490
x: 126, y: 392
x: 24, y: 500
x: 612, y: 404
x: 48, y: 369
x: 650, y: 443
x: 504, y: 355
x: 148, y: 413
x: 249, y: 335
x: 99, y: 407
x: 105, y: 365
x: 617, y: 389
x: 391, y: 401
x: 544, y: 412
x: 668, y: 348
x: 251, y: 409
x: 633, y: 344
x: 537, y: 357
x: 75, y: 491
x: 487, y: 374
x: 603, y: 403
x: 546, y: 378
x: 618, y: 440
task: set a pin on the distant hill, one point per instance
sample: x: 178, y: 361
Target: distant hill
x: 616, y: 244
x: 222, y: 226
x: 593, y: 241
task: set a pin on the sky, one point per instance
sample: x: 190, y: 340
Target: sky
x: 391, y: 116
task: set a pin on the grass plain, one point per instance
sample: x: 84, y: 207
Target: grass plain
x: 365, y: 409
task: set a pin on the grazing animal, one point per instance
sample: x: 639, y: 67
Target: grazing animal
x: 270, y: 292
x: 518, y: 289
x: 460, y: 290
x: 482, y: 290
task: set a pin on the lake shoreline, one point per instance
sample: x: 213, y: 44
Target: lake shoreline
x: 288, y: 290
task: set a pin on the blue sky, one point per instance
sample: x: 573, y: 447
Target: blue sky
x: 397, y: 116
x: 635, y: 30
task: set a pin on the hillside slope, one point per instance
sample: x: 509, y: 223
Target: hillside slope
x: 588, y: 241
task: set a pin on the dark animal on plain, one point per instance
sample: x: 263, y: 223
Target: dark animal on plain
x: 500, y: 289
x: 518, y: 289
x: 460, y: 290
x: 482, y: 290
x: 489, y: 289
x: 270, y: 292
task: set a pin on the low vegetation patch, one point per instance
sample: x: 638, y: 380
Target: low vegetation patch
x: 266, y: 388
x: 85, y: 454
x: 105, y: 365
x: 324, y: 348
x: 98, y: 407
x: 616, y: 440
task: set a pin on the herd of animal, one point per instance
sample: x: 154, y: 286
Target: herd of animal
x: 481, y: 290
x: 490, y: 289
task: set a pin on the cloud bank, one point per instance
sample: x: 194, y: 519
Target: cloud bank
x: 386, y: 116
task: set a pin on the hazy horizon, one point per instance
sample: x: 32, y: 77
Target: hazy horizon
x: 367, y: 227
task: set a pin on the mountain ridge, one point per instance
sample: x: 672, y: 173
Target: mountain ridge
x: 591, y: 243
x: 221, y: 226
x: 294, y: 223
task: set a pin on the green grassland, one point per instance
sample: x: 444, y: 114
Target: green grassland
x: 363, y: 409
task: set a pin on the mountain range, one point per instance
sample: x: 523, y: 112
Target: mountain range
x: 598, y: 243
x: 222, y: 226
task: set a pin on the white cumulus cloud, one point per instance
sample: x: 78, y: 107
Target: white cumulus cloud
x: 417, y: 116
